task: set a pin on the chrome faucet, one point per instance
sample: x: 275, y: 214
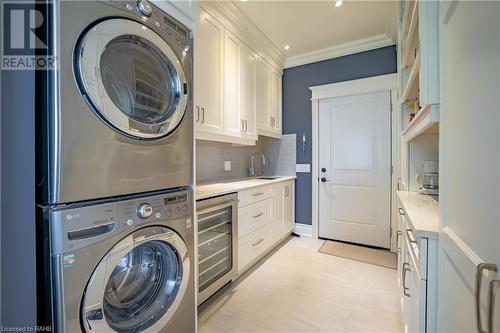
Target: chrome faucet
x: 252, y: 163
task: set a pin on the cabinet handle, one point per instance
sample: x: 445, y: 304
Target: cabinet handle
x: 257, y: 194
x: 409, y: 232
x: 258, y: 242
x: 401, y: 211
x: 491, y: 307
x: 479, y: 279
x: 242, y: 123
x: 246, y: 126
x: 398, y: 234
x: 405, y: 289
x: 203, y: 115
x: 258, y: 215
x: 197, y: 113
x: 287, y: 191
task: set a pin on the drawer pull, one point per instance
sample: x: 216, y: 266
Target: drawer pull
x: 257, y: 194
x: 410, y: 237
x: 258, y: 215
x: 401, y: 211
x: 405, y: 289
x: 258, y: 242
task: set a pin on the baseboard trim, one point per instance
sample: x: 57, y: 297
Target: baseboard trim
x: 304, y: 230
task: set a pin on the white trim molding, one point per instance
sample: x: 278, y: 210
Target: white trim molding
x: 387, y: 82
x: 357, y: 46
x: 304, y: 230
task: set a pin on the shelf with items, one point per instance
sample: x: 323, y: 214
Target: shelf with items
x: 426, y: 121
x: 411, y: 86
x: 410, y: 36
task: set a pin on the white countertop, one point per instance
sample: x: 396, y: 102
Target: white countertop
x: 422, y: 212
x: 208, y: 190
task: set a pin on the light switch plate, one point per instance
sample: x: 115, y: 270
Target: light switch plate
x: 305, y: 168
x: 227, y: 165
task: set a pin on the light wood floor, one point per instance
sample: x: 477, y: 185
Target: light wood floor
x: 298, y: 289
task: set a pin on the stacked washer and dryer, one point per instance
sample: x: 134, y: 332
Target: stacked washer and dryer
x: 117, y: 188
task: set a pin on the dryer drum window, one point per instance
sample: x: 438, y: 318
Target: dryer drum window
x: 132, y: 78
x: 142, y: 287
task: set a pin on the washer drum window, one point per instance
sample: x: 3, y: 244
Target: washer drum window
x: 139, y: 284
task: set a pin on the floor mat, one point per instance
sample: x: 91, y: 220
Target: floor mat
x: 364, y: 254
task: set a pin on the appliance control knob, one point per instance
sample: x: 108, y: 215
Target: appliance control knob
x: 145, y: 7
x: 130, y: 222
x: 144, y: 210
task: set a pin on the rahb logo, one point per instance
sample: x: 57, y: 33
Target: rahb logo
x: 25, y: 41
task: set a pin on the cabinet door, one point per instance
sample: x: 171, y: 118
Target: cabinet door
x: 278, y: 217
x: 262, y: 95
x: 233, y: 124
x: 247, y: 92
x: 208, y: 73
x: 469, y: 149
x: 288, y: 206
x: 275, y: 101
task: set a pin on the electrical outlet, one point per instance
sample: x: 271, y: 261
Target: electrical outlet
x: 227, y: 165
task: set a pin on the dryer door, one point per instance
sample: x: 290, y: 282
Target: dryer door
x: 131, y: 78
x: 139, y: 284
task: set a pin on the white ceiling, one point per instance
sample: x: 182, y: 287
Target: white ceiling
x: 313, y: 25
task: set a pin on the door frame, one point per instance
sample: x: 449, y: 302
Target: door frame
x: 388, y: 82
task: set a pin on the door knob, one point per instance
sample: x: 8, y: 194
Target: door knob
x: 324, y: 180
x: 323, y: 169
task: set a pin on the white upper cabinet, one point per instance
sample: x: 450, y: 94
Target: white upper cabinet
x: 262, y: 96
x: 208, y: 75
x: 247, y: 92
x: 237, y: 97
x: 268, y: 94
x: 233, y: 124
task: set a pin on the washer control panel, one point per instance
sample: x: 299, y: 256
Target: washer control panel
x: 144, y: 7
x: 144, y: 210
x: 165, y: 207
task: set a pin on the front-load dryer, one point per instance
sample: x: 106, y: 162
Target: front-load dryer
x: 125, y: 266
x: 119, y: 120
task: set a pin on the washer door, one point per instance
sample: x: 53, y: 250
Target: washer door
x: 132, y: 78
x: 139, y: 284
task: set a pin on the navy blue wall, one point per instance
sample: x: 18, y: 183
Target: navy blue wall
x: 18, y: 241
x: 297, y: 104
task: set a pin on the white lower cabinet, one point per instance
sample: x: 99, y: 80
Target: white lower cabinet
x: 417, y: 277
x: 265, y: 217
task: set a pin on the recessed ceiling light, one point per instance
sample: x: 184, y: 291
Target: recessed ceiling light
x: 286, y: 47
x: 339, y: 3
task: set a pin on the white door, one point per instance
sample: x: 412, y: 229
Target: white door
x: 247, y: 92
x: 469, y: 161
x: 354, y: 163
x: 208, y: 74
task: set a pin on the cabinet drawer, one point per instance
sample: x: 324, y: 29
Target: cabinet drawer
x: 254, y: 195
x: 254, y: 216
x: 253, y: 245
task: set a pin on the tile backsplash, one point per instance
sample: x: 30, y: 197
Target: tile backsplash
x: 211, y: 156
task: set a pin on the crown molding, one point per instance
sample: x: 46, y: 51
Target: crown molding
x: 233, y: 19
x: 340, y: 50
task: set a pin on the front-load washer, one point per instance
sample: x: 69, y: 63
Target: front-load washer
x: 125, y: 266
x: 119, y: 120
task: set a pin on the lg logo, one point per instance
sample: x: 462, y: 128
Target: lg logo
x: 25, y: 44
